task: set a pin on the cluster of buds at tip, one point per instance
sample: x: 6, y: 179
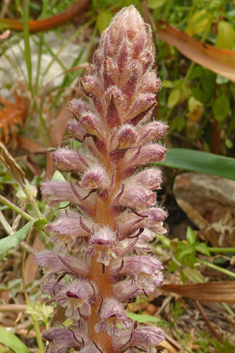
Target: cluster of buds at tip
x: 112, y: 212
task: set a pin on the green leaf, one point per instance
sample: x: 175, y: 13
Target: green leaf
x: 225, y: 37
x: 15, y: 238
x: 191, y: 236
x: 198, y: 22
x: 184, y: 278
x: 172, y: 267
x: 103, y: 20
x: 173, y: 98
x: 58, y: 176
x: 228, y: 143
x: 203, y: 249
x: 220, y: 80
x: 13, y: 342
x: 194, y: 275
x: 155, y: 4
x: 221, y: 107
x: 201, y: 162
x: 180, y: 123
x: 167, y: 84
x: 143, y: 318
x: 40, y: 223
x: 31, y: 189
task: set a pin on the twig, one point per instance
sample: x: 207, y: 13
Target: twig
x: 12, y: 307
x: 207, y: 321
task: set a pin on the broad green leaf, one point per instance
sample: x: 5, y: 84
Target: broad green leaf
x: 12, y: 341
x: 194, y: 275
x: 198, y: 22
x: 191, y: 236
x: 154, y: 4
x: 103, y: 20
x: 221, y: 107
x: 143, y: 318
x: 173, y: 98
x: 225, y: 37
x: 201, y: 162
x: 15, y: 238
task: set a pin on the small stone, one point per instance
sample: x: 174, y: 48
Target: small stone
x: 209, y: 202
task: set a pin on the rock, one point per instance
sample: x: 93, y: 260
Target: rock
x: 209, y: 202
x: 13, y: 60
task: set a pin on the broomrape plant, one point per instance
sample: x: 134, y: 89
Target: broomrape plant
x: 112, y: 210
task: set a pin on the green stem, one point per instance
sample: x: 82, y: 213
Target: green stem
x: 27, y: 52
x: 167, y: 9
x: 15, y: 208
x: 5, y: 224
x: 32, y: 201
x: 224, y: 250
x: 228, y: 309
x: 217, y: 268
x: 41, y: 40
x: 38, y: 334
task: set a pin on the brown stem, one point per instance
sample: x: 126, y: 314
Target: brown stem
x: 207, y: 321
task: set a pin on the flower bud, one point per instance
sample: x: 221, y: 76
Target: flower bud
x: 94, y: 178
x: 93, y: 126
x: 78, y: 107
x: 75, y: 129
x: 67, y: 160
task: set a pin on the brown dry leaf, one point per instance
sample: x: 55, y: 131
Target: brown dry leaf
x: 205, y: 292
x: 10, y: 163
x: 13, y: 114
x: 220, y: 61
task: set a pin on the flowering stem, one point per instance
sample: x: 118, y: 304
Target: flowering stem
x: 117, y: 206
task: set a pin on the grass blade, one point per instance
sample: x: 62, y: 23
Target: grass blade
x: 12, y: 341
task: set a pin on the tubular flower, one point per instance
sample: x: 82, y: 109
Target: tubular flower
x: 101, y: 259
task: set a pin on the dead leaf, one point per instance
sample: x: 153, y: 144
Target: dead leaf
x: 220, y: 61
x: 47, y: 23
x: 30, y: 146
x: 13, y: 114
x: 205, y: 292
